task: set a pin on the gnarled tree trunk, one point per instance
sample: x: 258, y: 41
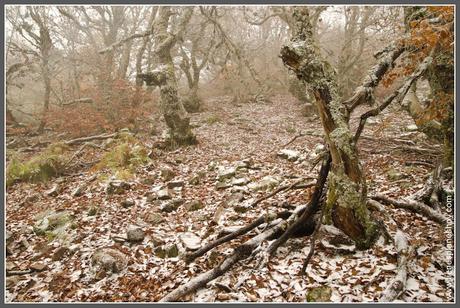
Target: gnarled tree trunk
x: 346, y: 200
x: 176, y: 117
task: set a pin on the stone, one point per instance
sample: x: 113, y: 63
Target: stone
x: 154, y: 218
x: 197, y: 178
x: 194, y: 205
x: 171, y: 205
x: 116, y: 187
x: 319, y: 148
x: 175, y: 184
x: 240, y: 181
x: 411, y: 128
x: 106, y: 261
x: 167, y: 173
x: 319, y: 294
x: 52, y: 221
x: 266, y: 183
x: 234, y: 199
x: 164, y: 194
x: 79, y: 190
x: 212, y: 166
x: 290, y: 155
x: 242, y: 208
x: 127, y: 203
x: 172, y: 251
x: 33, y: 198
x: 38, y: 266
x: 60, y: 253
x: 53, y: 191
x: 135, y: 234
x: 223, y: 185
x: 190, y: 241
x: 225, y: 173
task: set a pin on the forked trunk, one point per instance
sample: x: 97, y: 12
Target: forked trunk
x: 346, y: 200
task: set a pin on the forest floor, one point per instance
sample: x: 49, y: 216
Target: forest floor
x: 247, y: 136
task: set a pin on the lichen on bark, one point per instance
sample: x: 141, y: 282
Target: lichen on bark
x: 346, y: 199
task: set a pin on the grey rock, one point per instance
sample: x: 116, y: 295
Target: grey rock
x: 171, y: 205
x: 127, y: 203
x: 164, y: 194
x: 167, y: 173
x: 266, y: 183
x: 190, y: 241
x: 226, y: 173
x: 240, y: 181
x: 53, y: 191
x: 194, y: 205
x: 175, y: 184
x: 106, y: 261
x: 290, y: 155
x: 116, y: 187
x: 197, y: 178
x: 154, y: 218
x: 135, y: 234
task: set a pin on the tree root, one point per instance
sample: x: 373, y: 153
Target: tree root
x: 413, y: 206
x: 90, y: 138
x: 398, y: 284
x: 286, y: 228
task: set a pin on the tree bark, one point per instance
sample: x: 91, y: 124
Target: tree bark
x: 346, y: 200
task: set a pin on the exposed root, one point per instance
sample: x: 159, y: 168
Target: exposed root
x: 413, y: 206
x: 398, y: 284
x: 91, y: 138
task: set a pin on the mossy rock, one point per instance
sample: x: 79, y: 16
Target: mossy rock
x: 319, y: 294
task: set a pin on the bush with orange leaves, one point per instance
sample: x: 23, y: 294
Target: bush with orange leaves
x: 126, y: 106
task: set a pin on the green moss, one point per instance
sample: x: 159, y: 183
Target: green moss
x: 124, y: 157
x: 40, y: 167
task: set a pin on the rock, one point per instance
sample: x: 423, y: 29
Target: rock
x: 154, y: 218
x: 289, y: 154
x: 53, y: 191
x: 197, y: 178
x: 168, y: 251
x: 79, y: 190
x: 248, y: 162
x: 60, y: 253
x: 167, y: 173
x: 234, y: 199
x: 172, y: 251
x: 319, y: 148
x: 164, y: 194
x: 52, y: 221
x: 135, y: 234
x: 194, y: 205
x: 190, y: 241
x: 223, y: 185
x: 212, y: 166
x: 226, y: 173
x: 175, y: 184
x: 171, y: 205
x: 411, y: 128
x: 242, y: 208
x: 240, y: 181
x: 33, y: 198
x: 127, y: 203
x: 319, y: 294
x: 179, y: 159
x: 116, y: 187
x: 106, y: 261
x: 38, y: 267
x: 266, y: 183
x: 218, y: 214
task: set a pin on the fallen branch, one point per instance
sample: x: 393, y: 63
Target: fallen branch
x: 17, y: 273
x: 240, y: 253
x: 398, y: 285
x: 262, y: 219
x: 91, y: 138
x: 413, y: 206
x: 86, y: 144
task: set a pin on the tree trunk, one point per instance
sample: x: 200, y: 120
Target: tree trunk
x: 175, y: 115
x: 346, y: 200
